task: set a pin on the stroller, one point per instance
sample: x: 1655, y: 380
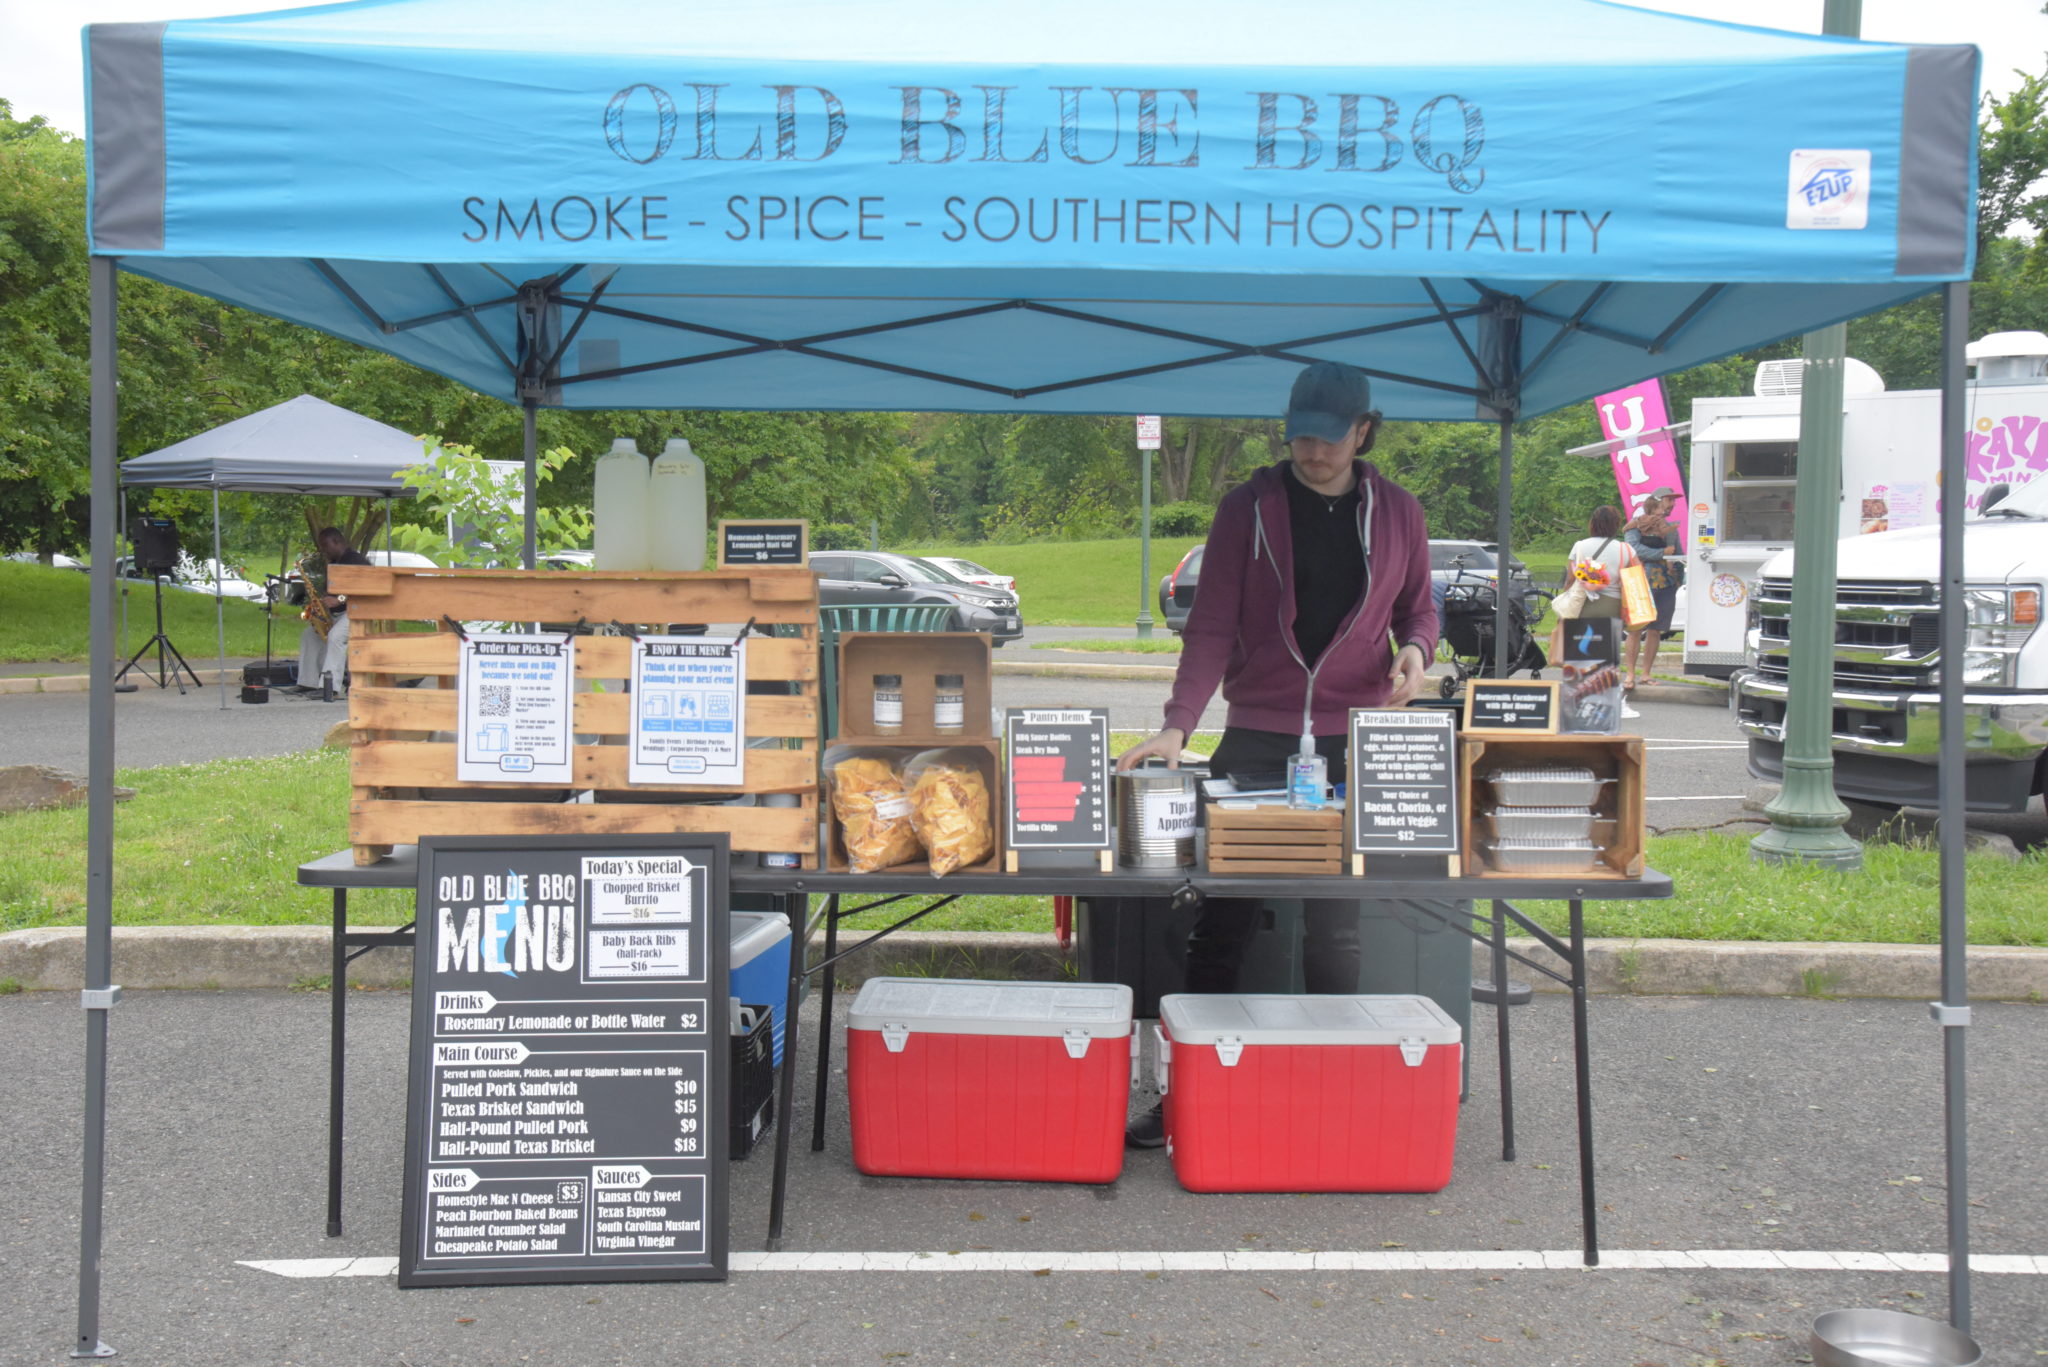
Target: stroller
x: 1469, y: 623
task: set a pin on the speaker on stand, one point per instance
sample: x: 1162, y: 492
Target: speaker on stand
x: 157, y: 552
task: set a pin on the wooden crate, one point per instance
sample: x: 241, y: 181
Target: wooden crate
x: 917, y: 656
x: 1275, y: 839
x: 1619, y: 758
x: 988, y: 756
x: 404, y: 779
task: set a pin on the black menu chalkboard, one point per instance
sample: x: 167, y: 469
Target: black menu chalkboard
x: 566, y: 1120
x: 744, y: 542
x: 1402, y: 782
x: 1059, y: 778
x: 1511, y: 706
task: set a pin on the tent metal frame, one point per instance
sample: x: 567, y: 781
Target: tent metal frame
x: 1494, y: 352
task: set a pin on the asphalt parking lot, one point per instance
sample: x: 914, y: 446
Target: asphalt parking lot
x: 1751, y: 1132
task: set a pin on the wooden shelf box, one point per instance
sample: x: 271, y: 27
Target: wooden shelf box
x: 1620, y: 802
x: 918, y: 656
x: 404, y: 779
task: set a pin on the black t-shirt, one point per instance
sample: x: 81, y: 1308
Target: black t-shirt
x: 351, y: 556
x: 1329, y: 563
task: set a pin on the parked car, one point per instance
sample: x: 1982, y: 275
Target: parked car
x: 1886, y: 697
x: 969, y: 572
x: 404, y: 560
x: 1449, y: 560
x: 1177, y: 590
x: 855, y: 577
x: 59, y: 561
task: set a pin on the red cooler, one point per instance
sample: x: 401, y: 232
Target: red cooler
x: 1282, y: 1093
x: 1015, y: 1081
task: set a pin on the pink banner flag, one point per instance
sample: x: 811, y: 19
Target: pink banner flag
x: 1641, y: 467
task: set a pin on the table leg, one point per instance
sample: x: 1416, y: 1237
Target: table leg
x: 1500, y: 1032
x: 786, y: 1119
x: 825, y: 1025
x: 337, y: 1057
x: 1583, y: 1062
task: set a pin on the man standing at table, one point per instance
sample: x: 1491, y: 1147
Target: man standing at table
x: 1315, y: 599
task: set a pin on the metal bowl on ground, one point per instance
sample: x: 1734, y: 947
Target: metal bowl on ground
x: 1889, y: 1338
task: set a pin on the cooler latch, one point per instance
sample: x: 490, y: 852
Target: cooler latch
x: 894, y: 1037
x: 1229, y: 1051
x: 1413, y: 1050
x: 1077, y: 1042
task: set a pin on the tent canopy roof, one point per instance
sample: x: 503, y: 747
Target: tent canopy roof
x: 301, y: 446
x: 1493, y: 205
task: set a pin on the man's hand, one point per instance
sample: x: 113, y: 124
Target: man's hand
x: 331, y: 600
x: 1168, y: 744
x: 1408, y: 675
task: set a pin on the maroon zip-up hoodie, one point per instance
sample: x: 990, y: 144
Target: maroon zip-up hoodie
x: 1241, y: 630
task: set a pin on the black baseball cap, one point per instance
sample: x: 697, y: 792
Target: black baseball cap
x: 1328, y: 398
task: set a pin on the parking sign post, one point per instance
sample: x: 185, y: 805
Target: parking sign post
x: 1148, y: 442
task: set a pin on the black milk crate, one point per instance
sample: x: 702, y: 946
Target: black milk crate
x: 753, y: 1078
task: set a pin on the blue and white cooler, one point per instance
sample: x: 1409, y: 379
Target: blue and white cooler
x: 760, y: 964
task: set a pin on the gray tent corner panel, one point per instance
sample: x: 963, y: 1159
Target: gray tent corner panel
x: 126, y: 66
x: 1937, y: 218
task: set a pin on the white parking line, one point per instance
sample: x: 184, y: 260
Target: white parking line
x: 1376, y: 1260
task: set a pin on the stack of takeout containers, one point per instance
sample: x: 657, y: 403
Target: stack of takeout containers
x: 1309, y: 1093
x: 1013, y: 1081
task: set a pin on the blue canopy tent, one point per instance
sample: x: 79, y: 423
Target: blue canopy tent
x: 1495, y: 207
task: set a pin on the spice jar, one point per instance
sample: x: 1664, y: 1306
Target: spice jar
x: 888, y: 708
x: 949, y: 704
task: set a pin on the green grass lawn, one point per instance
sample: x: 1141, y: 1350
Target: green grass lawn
x: 44, y: 614
x: 1079, y: 583
x: 219, y: 843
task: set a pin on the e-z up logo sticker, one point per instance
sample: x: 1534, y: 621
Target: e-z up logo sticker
x: 1828, y: 188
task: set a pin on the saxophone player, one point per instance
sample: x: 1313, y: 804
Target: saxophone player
x: 326, y: 653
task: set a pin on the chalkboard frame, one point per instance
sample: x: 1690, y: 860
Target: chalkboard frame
x: 1098, y: 717
x: 1475, y: 689
x: 711, y: 851
x: 803, y: 541
x: 1353, y: 824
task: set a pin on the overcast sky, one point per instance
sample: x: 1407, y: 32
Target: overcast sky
x: 41, y: 62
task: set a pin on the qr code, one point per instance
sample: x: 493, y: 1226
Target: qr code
x: 494, y: 700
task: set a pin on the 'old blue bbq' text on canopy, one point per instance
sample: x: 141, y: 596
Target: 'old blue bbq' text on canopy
x: 1494, y: 206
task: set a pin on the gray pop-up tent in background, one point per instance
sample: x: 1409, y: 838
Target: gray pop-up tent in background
x: 1504, y: 207
x: 304, y: 446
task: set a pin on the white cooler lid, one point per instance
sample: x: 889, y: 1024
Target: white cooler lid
x: 965, y: 1006
x: 1276, y: 1019
x: 753, y: 933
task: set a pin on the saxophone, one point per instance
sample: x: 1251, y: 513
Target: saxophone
x: 313, y: 569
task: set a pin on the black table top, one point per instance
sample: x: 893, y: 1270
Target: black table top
x: 1385, y: 878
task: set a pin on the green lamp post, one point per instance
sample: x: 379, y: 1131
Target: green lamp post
x: 1806, y: 816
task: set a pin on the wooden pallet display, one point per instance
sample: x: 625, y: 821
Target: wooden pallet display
x: 404, y: 783
x: 1277, y: 840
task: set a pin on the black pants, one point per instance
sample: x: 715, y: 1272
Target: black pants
x: 1216, y: 945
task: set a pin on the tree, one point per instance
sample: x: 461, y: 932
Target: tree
x: 44, y: 383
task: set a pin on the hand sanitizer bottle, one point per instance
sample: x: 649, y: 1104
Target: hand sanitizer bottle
x: 1307, y: 776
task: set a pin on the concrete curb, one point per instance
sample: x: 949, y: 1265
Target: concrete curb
x: 82, y: 683
x: 1060, y: 669
x: 282, y: 956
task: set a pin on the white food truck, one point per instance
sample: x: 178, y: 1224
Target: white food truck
x: 1745, y: 468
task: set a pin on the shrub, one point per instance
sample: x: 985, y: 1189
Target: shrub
x: 1182, y: 519
x: 838, y: 536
